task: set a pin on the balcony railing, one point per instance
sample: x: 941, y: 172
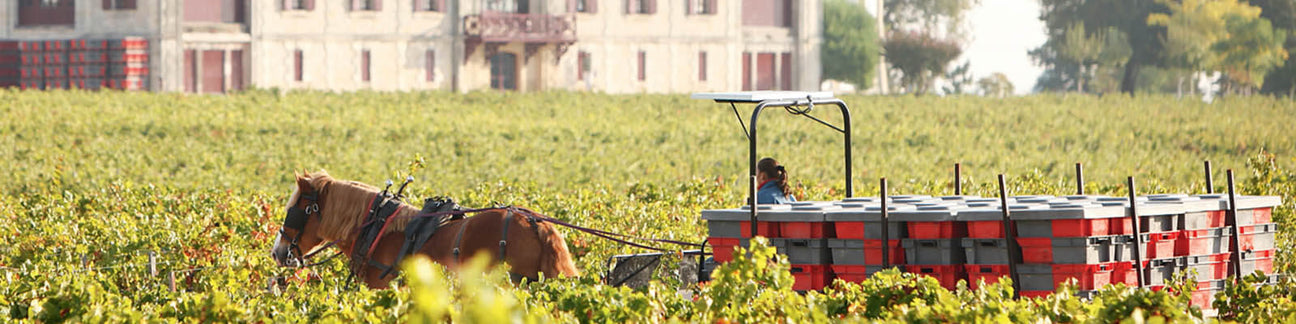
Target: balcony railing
x: 516, y: 27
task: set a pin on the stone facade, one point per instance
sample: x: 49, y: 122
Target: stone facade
x: 218, y: 45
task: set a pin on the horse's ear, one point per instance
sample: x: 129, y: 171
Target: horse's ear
x: 304, y: 185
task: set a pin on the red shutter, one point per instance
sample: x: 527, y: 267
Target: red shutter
x: 213, y: 71
x: 702, y: 66
x: 431, y: 65
x: 571, y: 6
x: 308, y: 4
x: 746, y: 71
x: 786, y: 67
x: 236, y: 70
x: 710, y: 6
x: 377, y: 5
x: 688, y: 7
x: 591, y: 6
x: 285, y: 5
x: 787, y: 13
x: 297, y: 65
x: 356, y: 5
x: 107, y: 4
x: 420, y: 5
x: 440, y: 6
x: 629, y: 6
x: 580, y: 66
x: 643, y: 66
x: 128, y: 4
x: 190, y: 65
x: 364, y: 66
x: 650, y: 7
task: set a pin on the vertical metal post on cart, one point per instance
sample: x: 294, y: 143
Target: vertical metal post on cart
x: 1134, y: 223
x: 886, y: 227
x: 751, y: 140
x: 1010, y: 237
x: 1079, y: 179
x: 1210, y: 185
x: 1231, y: 220
x: 958, y: 179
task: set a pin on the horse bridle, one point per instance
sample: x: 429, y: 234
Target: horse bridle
x: 296, y: 220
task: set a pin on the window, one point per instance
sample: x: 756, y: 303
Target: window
x: 701, y: 7
x: 503, y: 67
x: 298, y: 4
x: 702, y: 66
x: 582, y: 65
x: 643, y: 7
x: 585, y: 6
x: 297, y: 65
x: 46, y: 12
x: 429, y: 5
x: 119, y: 4
x: 430, y: 60
x: 643, y: 73
x: 785, y: 70
x: 364, y: 66
x: 366, y: 5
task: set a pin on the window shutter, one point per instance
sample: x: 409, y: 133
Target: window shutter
x: 285, y: 5
x: 431, y: 65
x: 440, y: 6
x: 377, y: 5
x: 297, y: 65
x: 107, y: 4
x: 710, y: 6
x: 419, y: 5
x: 356, y: 5
x: 688, y: 7
x: 128, y: 4
x: 651, y: 8
x: 308, y: 4
x: 591, y: 5
x: 629, y: 6
x: 571, y: 6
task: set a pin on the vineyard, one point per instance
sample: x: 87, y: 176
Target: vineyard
x: 144, y: 207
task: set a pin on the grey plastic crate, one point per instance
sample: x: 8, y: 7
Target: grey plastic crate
x: 871, y: 216
x: 1081, y: 250
x: 985, y: 251
x: 1035, y: 276
x: 851, y: 252
x: 933, y: 251
x: 1159, y: 271
x: 809, y: 212
x: 728, y: 222
x: 804, y: 251
x: 1209, y: 267
x: 1262, y: 238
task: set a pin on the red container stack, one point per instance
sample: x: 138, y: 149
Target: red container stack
x: 128, y: 61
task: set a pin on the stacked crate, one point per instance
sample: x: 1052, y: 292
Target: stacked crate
x: 87, y: 63
x: 11, y: 62
x: 857, y: 249
x: 797, y: 231
x: 54, y: 63
x: 932, y: 244
x: 128, y: 61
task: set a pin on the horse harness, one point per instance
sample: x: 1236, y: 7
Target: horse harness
x: 297, y: 218
x: 436, y: 213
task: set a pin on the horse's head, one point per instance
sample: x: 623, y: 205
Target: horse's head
x: 300, y: 231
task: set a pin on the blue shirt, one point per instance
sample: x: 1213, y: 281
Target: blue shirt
x: 770, y: 193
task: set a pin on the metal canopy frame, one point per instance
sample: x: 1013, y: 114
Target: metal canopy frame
x: 772, y: 100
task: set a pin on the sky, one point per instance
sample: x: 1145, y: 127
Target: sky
x: 1002, y: 31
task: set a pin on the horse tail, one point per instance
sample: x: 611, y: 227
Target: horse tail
x: 554, y: 257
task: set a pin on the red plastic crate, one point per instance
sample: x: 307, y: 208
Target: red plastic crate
x: 722, y: 249
x: 1080, y: 227
x: 1262, y: 215
x: 1088, y: 276
x: 1160, y: 245
x: 766, y: 229
x: 1263, y: 261
x: 810, y: 276
x: 138, y: 84
x: 793, y: 229
x: 1124, y: 272
x: 1119, y: 226
x: 1036, y: 293
x: 853, y: 273
x: 988, y: 272
x: 1036, y: 249
x: 937, y: 230
x: 985, y: 229
x: 873, y: 252
x: 947, y: 275
x: 1200, y: 242
x: 10, y: 45
x: 1210, y: 267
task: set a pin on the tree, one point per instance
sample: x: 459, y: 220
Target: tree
x: 850, y: 47
x: 920, y: 57
x: 1128, y: 17
x: 995, y: 85
x: 1282, y: 14
x: 1220, y: 35
x: 960, y: 78
x: 928, y: 15
x: 1251, y: 48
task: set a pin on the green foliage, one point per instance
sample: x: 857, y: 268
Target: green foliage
x: 850, y: 47
x: 995, y: 85
x: 920, y: 57
x: 94, y: 181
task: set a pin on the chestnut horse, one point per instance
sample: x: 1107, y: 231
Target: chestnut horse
x: 323, y: 209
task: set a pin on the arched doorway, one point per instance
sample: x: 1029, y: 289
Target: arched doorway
x: 503, y: 68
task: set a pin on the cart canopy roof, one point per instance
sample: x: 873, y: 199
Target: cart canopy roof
x: 758, y: 96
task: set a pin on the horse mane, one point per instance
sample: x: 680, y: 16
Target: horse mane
x: 344, y: 206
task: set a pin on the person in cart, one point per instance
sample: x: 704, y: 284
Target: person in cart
x: 772, y: 177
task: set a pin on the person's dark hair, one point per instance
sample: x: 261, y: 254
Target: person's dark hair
x: 773, y: 171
